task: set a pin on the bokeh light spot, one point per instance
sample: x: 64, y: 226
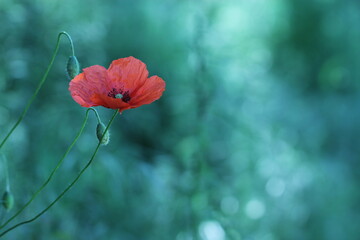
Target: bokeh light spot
x: 255, y: 209
x: 275, y: 187
x: 211, y: 230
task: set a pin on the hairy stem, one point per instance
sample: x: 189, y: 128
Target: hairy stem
x: 41, y: 83
x: 53, y: 171
x: 68, y: 187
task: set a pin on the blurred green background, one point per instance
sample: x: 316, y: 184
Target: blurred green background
x: 256, y: 136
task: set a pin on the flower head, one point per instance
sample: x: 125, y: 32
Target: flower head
x: 124, y: 85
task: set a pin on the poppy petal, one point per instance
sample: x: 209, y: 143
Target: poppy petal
x: 88, y: 84
x: 112, y: 103
x: 127, y: 73
x: 96, y: 79
x: 149, y: 92
x: 78, y: 91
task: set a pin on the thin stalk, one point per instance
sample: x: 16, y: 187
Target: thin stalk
x: 70, y: 40
x: 96, y: 114
x: 7, y: 181
x: 53, y: 171
x: 39, y: 86
x: 69, y: 186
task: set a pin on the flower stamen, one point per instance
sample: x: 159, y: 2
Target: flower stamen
x: 126, y: 97
x: 120, y: 94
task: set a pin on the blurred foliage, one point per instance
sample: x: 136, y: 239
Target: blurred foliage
x: 255, y: 137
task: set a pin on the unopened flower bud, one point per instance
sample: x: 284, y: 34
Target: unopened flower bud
x: 8, y: 200
x: 100, y: 129
x: 73, y: 67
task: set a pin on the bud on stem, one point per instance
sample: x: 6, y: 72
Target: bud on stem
x: 8, y: 200
x: 73, y: 67
x: 104, y: 138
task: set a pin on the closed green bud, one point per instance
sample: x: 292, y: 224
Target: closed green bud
x: 8, y: 200
x: 73, y: 67
x: 100, y: 129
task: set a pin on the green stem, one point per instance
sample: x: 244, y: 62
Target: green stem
x: 52, y: 173
x: 7, y: 181
x: 2, y: 213
x: 70, y: 40
x: 39, y: 86
x: 96, y: 114
x: 68, y: 187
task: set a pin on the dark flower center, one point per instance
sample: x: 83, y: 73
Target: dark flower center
x: 119, y: 93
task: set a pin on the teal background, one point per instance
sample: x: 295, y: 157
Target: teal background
x: 256, y: 136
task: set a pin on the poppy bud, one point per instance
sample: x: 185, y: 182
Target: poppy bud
x: 8, y: 200
x: 100, y: 129
x: 73, y: 67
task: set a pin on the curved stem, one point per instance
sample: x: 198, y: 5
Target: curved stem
x: 39, y: 86
x: 52, y: 173
x: 69, y: 186
x: 70, y: 40
x: 96, y: 114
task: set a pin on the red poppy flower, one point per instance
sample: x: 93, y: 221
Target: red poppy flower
x: 123, y: 86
